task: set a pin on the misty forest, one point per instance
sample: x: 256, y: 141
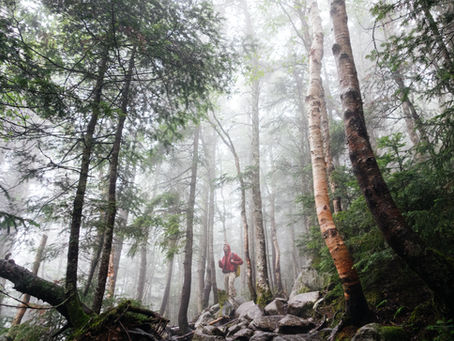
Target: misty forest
x: 226, y: 170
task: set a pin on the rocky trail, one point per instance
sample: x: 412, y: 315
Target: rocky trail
x: 298, y: 318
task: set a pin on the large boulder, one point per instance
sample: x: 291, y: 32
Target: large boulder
x: 301, y: 305
x: 377, y: 332
x: 266, y: 322
x: 308, y: 280
x: 291, y: 324
x: 276, y: 307
x: 248, y: 310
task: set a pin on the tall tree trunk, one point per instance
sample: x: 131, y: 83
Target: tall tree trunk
x: 306, y: 38
x: 166, y: 294
x: 355, y: 302
x: 142, y: 272
x: 225, y: 137
x: 111, y: 202
x: 76, y: 216
x: 263, y: 290
x: 277, y: 251
x: 430, y: 265
x: 203, y: 250
x: 26, y: 299
x: 186, y: 291
x: 94, y: 259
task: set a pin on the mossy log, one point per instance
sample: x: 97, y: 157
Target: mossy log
x: 124, y: 322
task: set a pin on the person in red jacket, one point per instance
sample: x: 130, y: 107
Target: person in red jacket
x: 228, y: 264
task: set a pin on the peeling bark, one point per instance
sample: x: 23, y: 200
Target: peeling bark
x: 355, y: 302
x: 433, y: 268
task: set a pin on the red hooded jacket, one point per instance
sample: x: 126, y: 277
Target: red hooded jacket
x: 230, y: 261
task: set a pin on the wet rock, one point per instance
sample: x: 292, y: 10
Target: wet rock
x: 236, y: 327
x: 266, y: 322
x: 212, y: 330
x: 296, y: 337
x: 262, y: 336
x: 199, y: 336
x: 377, y: 332
x: 291, y: 324
x: 276, y: 307
x: 243, y: 334
x: 249, y: 310
x: 301, y: 305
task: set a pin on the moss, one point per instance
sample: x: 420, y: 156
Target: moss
x: 419, y: 315
x: 222, y: 297
x: 263, y: 297
x: 126, y: 315
x: 393, y: 333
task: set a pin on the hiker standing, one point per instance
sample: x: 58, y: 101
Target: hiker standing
x: 229, y: 264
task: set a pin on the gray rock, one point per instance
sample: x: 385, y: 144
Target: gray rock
x: 296, y: 337
x: 276, y: 307
x: 377, y: 332
x: 249, y: 310
x: 266, y: 322
x: 199, y: 336
x: 262, y: 336
x: 227, y: 309
x: 203, y: 319
x: 291, y: 324
x: 233, y: 329
x: 243, y: 334
x: 301, y: 305
x: 214, y: 309
x: 212, y: 330
x: 307, y: 280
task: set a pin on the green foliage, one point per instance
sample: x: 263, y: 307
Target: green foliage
x: 443, y: 330
x: 41, y: 327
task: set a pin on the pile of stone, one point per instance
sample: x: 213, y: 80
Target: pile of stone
x: 279, y: 321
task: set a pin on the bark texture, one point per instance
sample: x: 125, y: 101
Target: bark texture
x: 111, y: 202
x: 28, y: 283
x: 88, y: 139
x: 355, y: 302
x: 26, y: 299
x: 187, y: 265
x: 431, y: 266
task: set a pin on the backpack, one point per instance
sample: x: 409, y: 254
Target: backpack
x: 237, y: 269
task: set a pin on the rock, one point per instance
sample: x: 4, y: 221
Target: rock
x: 276, y: 307
x: 262, y: 336
x: 301, y: 305
x: 236, y: 327
x: 214, y: 309
x: 377, y: 332
x: 291, y: 324
x: 212, y: 330
x: 266, y: 323
x: 249, y: 310
x: 227, y: 309
x: 203, y: 319
x: 307, y: 280
x: 199, y: 336
x: 243, y: 334
x: 296, y: 337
